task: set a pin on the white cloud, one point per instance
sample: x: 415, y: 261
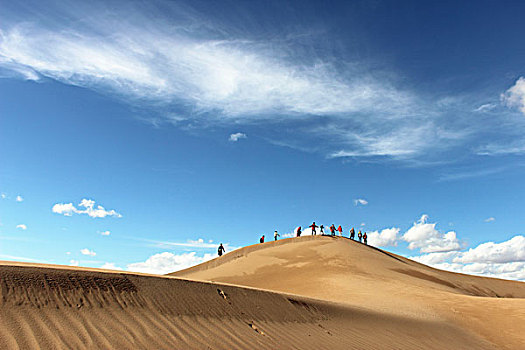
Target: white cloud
x: 3, y: 195
x: 512, y: 250
x: 86, y: 251
x: 423, y: 235
x: 515, y: 95
x: 199, y: 243
x: 485, y: 107
x: 68, y: 253
x: 105, y: 233
x: 387, y: 237
x: 19, y: 198
x: 22, y: 227
x: 502, y: 260
x: 73, y: 262
x: 166, y: 262
x: 68, y: 209
x: 491, y: 219
x: 210, y: 72
x: 110, y: 266
x: 237, y: 136
x: 360, y: 201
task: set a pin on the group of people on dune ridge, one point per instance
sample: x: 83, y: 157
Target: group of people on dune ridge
x: 361, y: 236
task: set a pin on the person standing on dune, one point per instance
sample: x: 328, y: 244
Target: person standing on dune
x: 321, y: 229
x: 298, y: 231
x: 340, y: 230
x: 221, y: 250
x: 352, y: 233
x: 313, y: 227
x: 359, y: 236
x: 365, y: 238
x: 261, y: 240
x: 332, y: 230
x: 275, y: 235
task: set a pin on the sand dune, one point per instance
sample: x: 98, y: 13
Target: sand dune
x: 344, y: 271
x: 306, y: 293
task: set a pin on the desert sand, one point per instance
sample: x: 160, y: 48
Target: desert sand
x: 299, y: 293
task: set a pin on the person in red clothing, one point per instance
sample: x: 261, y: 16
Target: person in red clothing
x: 313, y: 227
x: 332, y: 230
x: 365, y: 238
x: 261, y: 240
x: 299, y: 231
x: 340, y: 230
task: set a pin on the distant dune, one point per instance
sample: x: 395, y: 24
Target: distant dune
x: 305, y: 293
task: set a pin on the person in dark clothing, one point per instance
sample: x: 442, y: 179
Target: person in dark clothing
x: 299, y: 231
x: 352, y: 233
x: 332, y: 230
x: 313, y: 227
x: 221, y: 250
x: 359, y: 235
x: 365, y: 238
x: 261, y: 240
x: 321, y: 229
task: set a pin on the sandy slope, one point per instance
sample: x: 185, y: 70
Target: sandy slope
x: 343, y: 271
x: 364, y: 299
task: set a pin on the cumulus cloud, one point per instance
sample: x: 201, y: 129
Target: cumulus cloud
x: 22, y: 227
x: 19, y: 198
x: 502, y: 260
x: 3, y: 195
x: 88, y: 205
x: 424, y: 236
x: 237, y: 136
x: 491, y: 219
x: 512, y: 250
x: 360, y: 201
x: 166, y: 262
x: 110, y: 266
x: 105, y: 233
x: 73, y: 262
x: 387, y: 237
x: 515, y: 95
x: 86, y: 251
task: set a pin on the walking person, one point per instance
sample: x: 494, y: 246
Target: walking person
x: 321, y: 229
x: 261, y: 240
x: 340, y: 230
x: 275, y: 235
x: 332, y: 230
x: 359, y: 236
x: 365, y: 238
x: 221, y: 249
x: 313, y: 226
x: 352, y: 233
x: 298, y: 231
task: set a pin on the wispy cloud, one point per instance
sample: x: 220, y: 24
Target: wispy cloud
x: 21, y: 226
x: 491, y: 219
x: 208, y: 73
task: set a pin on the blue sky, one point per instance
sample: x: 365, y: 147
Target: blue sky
x: 194, y: 123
